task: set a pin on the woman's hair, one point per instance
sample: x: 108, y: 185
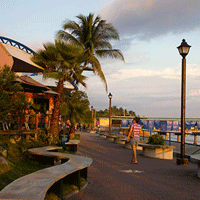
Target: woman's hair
x: 137, y: 119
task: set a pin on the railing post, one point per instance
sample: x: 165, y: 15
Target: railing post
x: 166, y: 136
x: 27, y: 136
x: 143, y: 134
x: 185, y: 138
x: 195, y: 139
x: 36, y: 121
x: 35, y: 134
x: 178, y: 138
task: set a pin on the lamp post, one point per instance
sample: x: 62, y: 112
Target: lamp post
x: 183, y: 50
x: 95, y: 117
x: 110, y: 97
x: 92, y: 117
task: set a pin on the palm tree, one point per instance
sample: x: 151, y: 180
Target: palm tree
x: 93, y: 35
x: 75, y: 107
x: 60, y: 61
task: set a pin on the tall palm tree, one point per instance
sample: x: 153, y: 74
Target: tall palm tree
x: 94, y: 35
x: 60, y: 61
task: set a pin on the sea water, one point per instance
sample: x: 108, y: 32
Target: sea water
x: 189, y: 138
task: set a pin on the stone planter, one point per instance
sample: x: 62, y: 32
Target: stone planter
x: 158, y: 151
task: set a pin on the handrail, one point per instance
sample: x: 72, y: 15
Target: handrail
x: 19, y: 45
x: 195, y: 134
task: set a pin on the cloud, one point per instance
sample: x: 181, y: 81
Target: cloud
x: 194, y: 93
x: 193, y: 71
x: 2, y: 33
x: 168, y: 73
x: 148, y: 95
x: 146, y: 19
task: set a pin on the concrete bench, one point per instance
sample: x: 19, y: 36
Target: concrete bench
x: 110, y: 137
x: 72, y: 144
x: 102, y: 135
x: 34, y: 186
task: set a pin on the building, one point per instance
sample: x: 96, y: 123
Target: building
x: 17, y: 56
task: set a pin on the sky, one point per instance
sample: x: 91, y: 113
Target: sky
x: 149, y: 81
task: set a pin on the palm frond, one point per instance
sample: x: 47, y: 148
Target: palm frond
x: 56, y: 75
x: 98, y: 29
x: 92, y: 34
x: 113, y: 53
x: 65, y: 36
x: 86, y: 68
x: 80, y: 79
x: 105, y: 32
x: 96, y: 66
x: 71, y: 26
x: 102, y: 45
x: 111, y: 31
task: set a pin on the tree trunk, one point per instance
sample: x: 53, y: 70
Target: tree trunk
x: 54, y: 127
x: 72, y: 132
x: 21, y: 120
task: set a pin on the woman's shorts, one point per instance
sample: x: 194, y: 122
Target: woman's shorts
x: 134, y: 141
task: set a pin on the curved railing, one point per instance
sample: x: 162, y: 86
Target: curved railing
x: 16, y: 44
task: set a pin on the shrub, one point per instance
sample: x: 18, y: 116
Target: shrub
x: 156, y: 139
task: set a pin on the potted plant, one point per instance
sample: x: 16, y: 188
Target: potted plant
x: 156, y: 148
x: 156, y: 139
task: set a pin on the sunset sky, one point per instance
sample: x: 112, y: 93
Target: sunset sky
x: 149, y: 81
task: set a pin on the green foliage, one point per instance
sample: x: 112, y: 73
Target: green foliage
x: 18, y: 164
x: 93, y: 35
x: 45, y: 138
x: 115, y: 112
x: 11, y: 99
x: 76, y: 108
x: 156, y: 139
x: 24, y: 145
x: 61, y: 61
x: 64, y: 62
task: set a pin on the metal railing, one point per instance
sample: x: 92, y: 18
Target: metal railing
x: 175, y: 136
x: 191, y: 138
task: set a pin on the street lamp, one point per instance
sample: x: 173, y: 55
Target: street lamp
x: 95, y: 117
x: 92, y: 117
x: 110, y: 97
x: 183, y: 50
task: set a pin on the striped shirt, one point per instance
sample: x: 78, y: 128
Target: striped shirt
x: 137, y: 128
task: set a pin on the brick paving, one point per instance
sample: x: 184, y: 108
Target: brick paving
x: 111, y: 175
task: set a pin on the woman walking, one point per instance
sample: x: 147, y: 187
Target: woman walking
x: 134, y: 136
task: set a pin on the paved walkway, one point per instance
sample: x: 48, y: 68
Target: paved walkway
x: 112, y: 177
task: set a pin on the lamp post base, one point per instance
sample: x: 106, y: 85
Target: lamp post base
x: 182, y: 161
